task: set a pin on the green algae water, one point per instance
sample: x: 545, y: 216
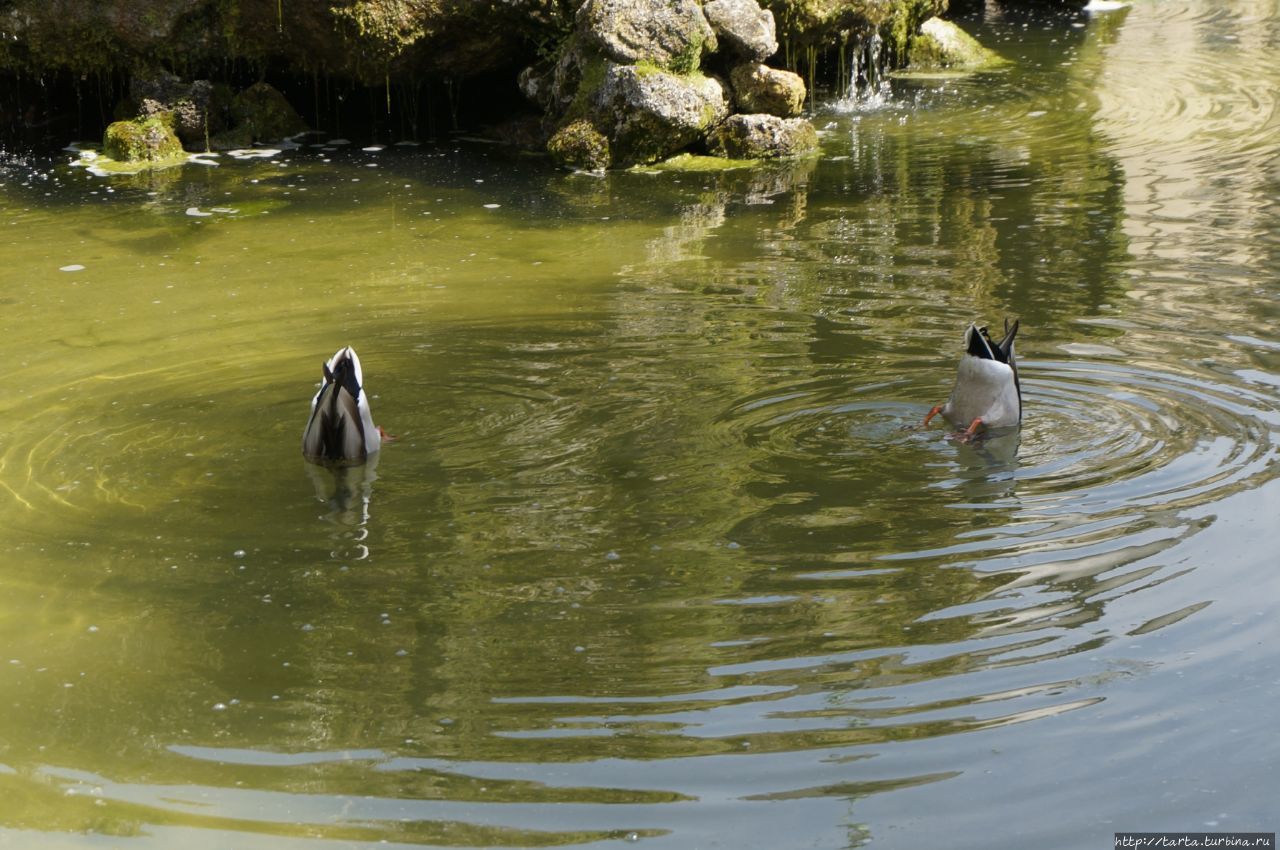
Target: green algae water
x: 658, y: 555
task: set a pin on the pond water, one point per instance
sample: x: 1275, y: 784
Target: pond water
x: 658, y: 555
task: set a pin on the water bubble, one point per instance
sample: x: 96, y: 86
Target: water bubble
x: 239, y: 553
x: 492, y: 206
x: 307, y: 627
x: 401, y: 653
x: 219, y: 706
x: 74, y: 267
x: 612, y: 556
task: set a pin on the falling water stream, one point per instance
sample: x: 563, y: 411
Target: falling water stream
x: 660, y: 554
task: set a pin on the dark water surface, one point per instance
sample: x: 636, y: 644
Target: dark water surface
x: 655, y: 559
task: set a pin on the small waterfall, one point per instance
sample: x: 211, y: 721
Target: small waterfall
x: 864, y: 76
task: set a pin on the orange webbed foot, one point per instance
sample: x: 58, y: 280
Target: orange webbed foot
x: 968, y: 435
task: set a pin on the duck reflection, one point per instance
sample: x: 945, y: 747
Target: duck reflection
x: 346, y: 491
x: 988, y: 466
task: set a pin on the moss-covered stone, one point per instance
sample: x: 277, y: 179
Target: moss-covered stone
x: 759, y: 88
x: 266, y: 113
x: 763, y: 137
x: 149, y: 140
x: 581, y: 146
x: 942, y: 44
x: 828, y: 24
x: 648, y: 116
x: 669, y: 33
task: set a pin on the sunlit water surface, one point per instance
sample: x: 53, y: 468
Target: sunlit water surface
x: 657, y: 555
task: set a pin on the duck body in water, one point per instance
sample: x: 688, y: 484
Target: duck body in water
x: 987, y: 393
x: 341, y: 430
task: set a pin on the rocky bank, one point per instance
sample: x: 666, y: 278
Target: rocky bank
x: 606, y: 83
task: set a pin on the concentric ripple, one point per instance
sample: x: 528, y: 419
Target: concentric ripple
x: 1116, y: 436
x: 1097, y: 436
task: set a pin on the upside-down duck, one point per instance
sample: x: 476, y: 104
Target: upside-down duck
x: 341, y: 430
x: 987, y: 393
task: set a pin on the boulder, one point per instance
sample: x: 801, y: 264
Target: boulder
x: 143, y: 140
x: 649, y: 114
x: 763, y: 137
x: 942, y: 44
x: 263, y: 110
x: 535, y: 84
x: 742, y: 27
x: 579, y: 145
x: 759, y: 88
x: 196, y: 110
x: 668, y: 33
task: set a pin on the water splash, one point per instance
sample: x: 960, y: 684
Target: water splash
x: 864, y: 77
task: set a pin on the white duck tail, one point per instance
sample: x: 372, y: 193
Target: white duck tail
x: 341, y: 428
x: 987, y: 392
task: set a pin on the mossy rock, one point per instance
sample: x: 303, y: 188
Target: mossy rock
x: 267, y: 114
x: 650, y: 114
x: 670, y: 33
x: 580, y: 145
x: 228, y: 140
x: 763, y: 137
x: 943, y: 45
x: 145, y: 140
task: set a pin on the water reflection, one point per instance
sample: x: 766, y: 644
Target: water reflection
x: 655, y: 547
x: 346, y: 492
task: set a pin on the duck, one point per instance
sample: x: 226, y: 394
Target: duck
x: 987, y: 393
x: 340, y: 430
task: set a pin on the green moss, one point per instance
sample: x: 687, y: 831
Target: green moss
x: 688, y: 60
x: 266, y: 113
x: 942, y: 44
x: 580, y: 145
x: 591, y: 68
x: 694, y: 163
x: 149, y: 140
x: 391, y: 25
x: 905, y: 21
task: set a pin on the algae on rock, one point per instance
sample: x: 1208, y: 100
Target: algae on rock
x: 579, y: 145
x: 144, y: 140
x: 942, y: 44
x: 763, y: 137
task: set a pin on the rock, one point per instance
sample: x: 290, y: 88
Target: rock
x: 743, y: 27
x: 580, y: 145
x: 942, y: 44
x: 669, y: 33
x: 535, y: 86
x: 763, y: 137
x: 141, y: 140
x: 579, y: 69
x: 649, y: 114
x: 265, y: 112
x: 759, y: 88
x: 229, y: 140
x: 196, y: 110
